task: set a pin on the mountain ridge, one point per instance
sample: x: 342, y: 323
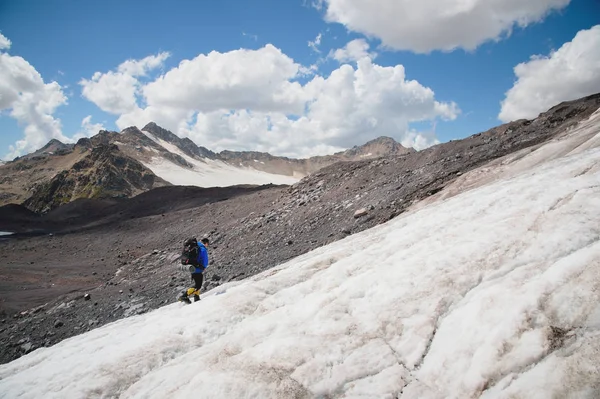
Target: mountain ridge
x: 105, y: 173
x: 161, y: 153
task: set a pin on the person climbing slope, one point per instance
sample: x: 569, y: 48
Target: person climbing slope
x: 195, y: 254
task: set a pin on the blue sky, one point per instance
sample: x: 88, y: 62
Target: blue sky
x: 462, y: 70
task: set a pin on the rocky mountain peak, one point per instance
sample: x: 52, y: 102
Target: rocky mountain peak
x: 381, y: 146
x: 104, y: 150
x: 151, y: 126
x: 104, y: 137
x: 104, y: 173
x: 132, y: 130
x: 84, y: 142
x: 160, y: 132
x: 384, y: 140
x: 53, y: 147
x: 54, y: 143
x: 185, y: 144
x: 135, y: 137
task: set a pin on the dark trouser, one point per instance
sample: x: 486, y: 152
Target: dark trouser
x: 198, y: 278
x: 195, y: 290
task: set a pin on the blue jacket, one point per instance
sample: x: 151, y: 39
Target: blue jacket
x: 202, y: 258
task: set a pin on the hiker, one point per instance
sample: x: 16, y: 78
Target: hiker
x: 200, y: 263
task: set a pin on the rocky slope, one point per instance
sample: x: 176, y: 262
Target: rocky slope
x: 104, y: 173
x: 20, y: 178
x: 127, y: 264
x: 46, y: 178
x: 185, y: 144
x: 54, y: 147
x: 138, y: 145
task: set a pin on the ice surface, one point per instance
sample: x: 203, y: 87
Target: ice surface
x: 492, y: 293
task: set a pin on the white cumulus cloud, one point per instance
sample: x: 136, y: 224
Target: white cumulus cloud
x: 88, y: 129
x: 143, y: 66
x: 4, y: 42
x: 252, y: 100
x: 116, y: 91
x: 31, y: 101
x: 257, y: 79
x: 426, y: 25
x: 571, y: 72
x: 113, y: 92
x: 354, y: 50
x: 348, y: 107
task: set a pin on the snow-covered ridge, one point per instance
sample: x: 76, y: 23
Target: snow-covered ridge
x: 207, y: 172
x: 493, y: 293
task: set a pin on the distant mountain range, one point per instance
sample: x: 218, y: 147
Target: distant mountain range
x: 127, y: 163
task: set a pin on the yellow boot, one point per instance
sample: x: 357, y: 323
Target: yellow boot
x: 197, y: 295
x: 184, y: 298
x: 194, y: 292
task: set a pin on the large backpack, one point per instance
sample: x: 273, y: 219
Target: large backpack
x: 189, y: 255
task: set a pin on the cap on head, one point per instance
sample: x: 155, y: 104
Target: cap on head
x: 205, y: 240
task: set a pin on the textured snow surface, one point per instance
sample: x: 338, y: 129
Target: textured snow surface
x: 492, y: 293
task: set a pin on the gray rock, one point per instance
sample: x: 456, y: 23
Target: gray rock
x: 27, y: 347
x: 360, y: 212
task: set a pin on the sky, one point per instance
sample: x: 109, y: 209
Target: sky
x: 492, y: 293
x: 293, y: 78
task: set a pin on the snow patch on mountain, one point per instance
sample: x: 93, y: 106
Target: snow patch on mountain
x: 207, y: 172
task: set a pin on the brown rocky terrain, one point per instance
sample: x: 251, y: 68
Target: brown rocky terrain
x: 123, y: 252
x: 111, y: 164
x: 20, y: 178
x: 104, y: 173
